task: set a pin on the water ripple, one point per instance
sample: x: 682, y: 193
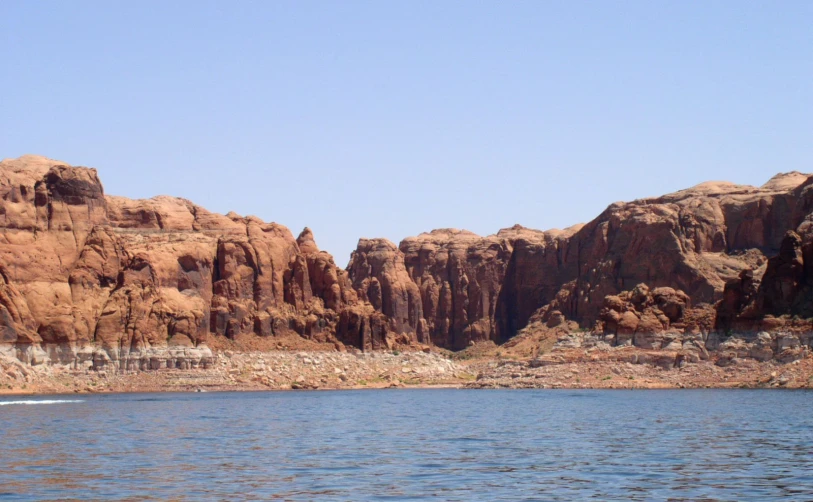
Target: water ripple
x: 411, y: 445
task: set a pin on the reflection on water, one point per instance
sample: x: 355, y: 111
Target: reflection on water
x: 412, y: 444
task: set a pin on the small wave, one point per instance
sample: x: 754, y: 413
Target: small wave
x: 42, y: 401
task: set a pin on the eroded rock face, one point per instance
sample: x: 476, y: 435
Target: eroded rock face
x: 459, y: 276
x: 444, y: 286
x: 380, y: 277
x: 131, y: 277
x: 81, y: 269
x: 695, y: 241
x: 779, y: 293
x: 653, y: 319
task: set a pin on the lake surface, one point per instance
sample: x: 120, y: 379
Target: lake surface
x: 410, y: 444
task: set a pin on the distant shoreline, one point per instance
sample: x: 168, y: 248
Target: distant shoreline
x: 282, y: 371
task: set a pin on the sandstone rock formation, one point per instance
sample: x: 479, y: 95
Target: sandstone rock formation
x: 710, y: 244
x: 79, y: 269
x: 87, y: 276
x: 652, y: 319
x: 695, y: 240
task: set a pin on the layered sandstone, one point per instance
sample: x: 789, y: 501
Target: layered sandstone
x: 127, y: 277
x: 95, y: 279
x: 695, y: 240
x: 711, y: 245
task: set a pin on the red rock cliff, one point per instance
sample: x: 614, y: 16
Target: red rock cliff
x: 79, y: 268
x: 696, y: 241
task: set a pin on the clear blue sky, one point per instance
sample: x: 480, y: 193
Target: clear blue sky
x: 386, y: 119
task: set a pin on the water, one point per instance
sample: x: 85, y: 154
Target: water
x: 411, y: 444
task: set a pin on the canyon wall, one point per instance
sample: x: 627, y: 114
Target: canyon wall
x: 701, y: 242
x: 87, y: 276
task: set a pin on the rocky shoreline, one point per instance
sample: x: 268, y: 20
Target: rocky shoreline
x: 578, y: 372
x: 245, y: 371
x: 711, y: 286
x: 594, y: 367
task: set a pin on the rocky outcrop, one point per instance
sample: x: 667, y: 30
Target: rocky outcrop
x: 81, y: 270
x: 84, y: 273
x: 460, y: 276
x: 444, y: 286
x: 694, y: 240
x: 380, y: 278
x: 652, y: 319
x: 779, y: 293
x: 712, y: 243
